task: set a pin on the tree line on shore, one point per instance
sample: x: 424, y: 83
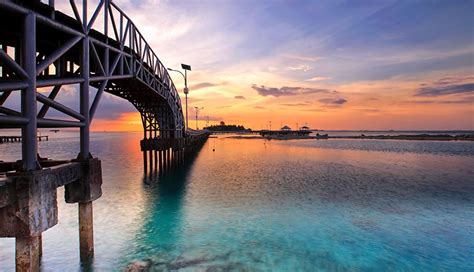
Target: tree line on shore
x: 223, y: 127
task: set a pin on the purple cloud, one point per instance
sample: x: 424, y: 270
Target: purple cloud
x: 286, y: 91
x: 444, y: 89
x: 338, y: 101
x: 202, y: 85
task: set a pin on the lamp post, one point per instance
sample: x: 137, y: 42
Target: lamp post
x: 197, y: 109
x: 186, y: 90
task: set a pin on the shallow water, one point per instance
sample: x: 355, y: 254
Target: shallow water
x: 299, y: 205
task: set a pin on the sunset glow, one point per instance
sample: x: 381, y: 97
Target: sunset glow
x: 236, y: 135
x: 330, y: 65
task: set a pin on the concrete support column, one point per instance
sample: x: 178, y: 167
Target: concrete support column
x: 150, y: 160
x: 168, y: 154
x: 40, y: 246
x: 28, y: 252
x: 155, y: 151
x: 160, y: 161
x: 165, y: 162
x: 145, y: 167
x: 33, y: 210
x: 84, y: 191
x: 172, y: 157
x: 86, y: 231
x: 175, y: 157
x: 168, y: 158
x: 150, y: 152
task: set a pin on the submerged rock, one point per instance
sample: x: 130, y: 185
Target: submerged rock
x: 181, y: 262
x: 232, y: 266
x: 200, y: 263
x: 139, y: 266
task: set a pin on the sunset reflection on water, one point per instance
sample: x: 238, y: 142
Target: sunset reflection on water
x: 286, y: 205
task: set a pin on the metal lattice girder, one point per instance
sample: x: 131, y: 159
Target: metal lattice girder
x: 17, y: 69
x: 52, y: 96
x: 8, y: 111
x: 119, y: 62
x: 57, y: 54
x: 58, y: 106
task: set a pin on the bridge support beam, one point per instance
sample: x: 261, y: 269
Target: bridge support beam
x: 160, y: 161
x: 86, y: 232
x: 28, y: 253
x: 167, y: 160
x: 83, y: 192
x: 170, y: 152
x: 28, y: 205
x: 145, y: 167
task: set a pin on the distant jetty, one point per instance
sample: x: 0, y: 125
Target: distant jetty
x: 12, y: 139
x: 285, y: 134
x: 419, y: 137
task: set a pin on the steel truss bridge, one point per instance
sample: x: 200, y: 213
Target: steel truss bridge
x: 92, y: 47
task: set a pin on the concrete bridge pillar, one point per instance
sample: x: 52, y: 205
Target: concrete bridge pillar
x: 83, y: 192
x: 28, y: 206
x: 28, y: 253
x: 156, y: 159
x: 145, y: 167
x: 86, y: 231
x: 160, y: 161
x: 165, y: 159
x: 169, y: 158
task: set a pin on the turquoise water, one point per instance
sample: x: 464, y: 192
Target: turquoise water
x: 257, y: 205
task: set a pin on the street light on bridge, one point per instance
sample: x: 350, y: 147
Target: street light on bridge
x: 186, y: 68
x: 197, y: 109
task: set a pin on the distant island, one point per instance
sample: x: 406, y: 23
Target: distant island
x: 222, y: 127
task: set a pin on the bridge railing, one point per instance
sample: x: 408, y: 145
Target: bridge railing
x: 117, y: 25
x: 140, y: 46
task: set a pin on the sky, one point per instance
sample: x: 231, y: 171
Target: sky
x: 327, y: 64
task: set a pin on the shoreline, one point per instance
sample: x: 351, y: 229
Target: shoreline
x: 417, y: 137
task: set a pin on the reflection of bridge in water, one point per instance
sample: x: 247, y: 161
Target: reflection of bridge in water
x: 94, y: 49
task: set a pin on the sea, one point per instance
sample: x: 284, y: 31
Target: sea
x: 270, y: 205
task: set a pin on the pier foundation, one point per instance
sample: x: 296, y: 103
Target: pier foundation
x: 86, y: 231
x: 170, y: 152
x: 27, y: 253
x: 28, y: 205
